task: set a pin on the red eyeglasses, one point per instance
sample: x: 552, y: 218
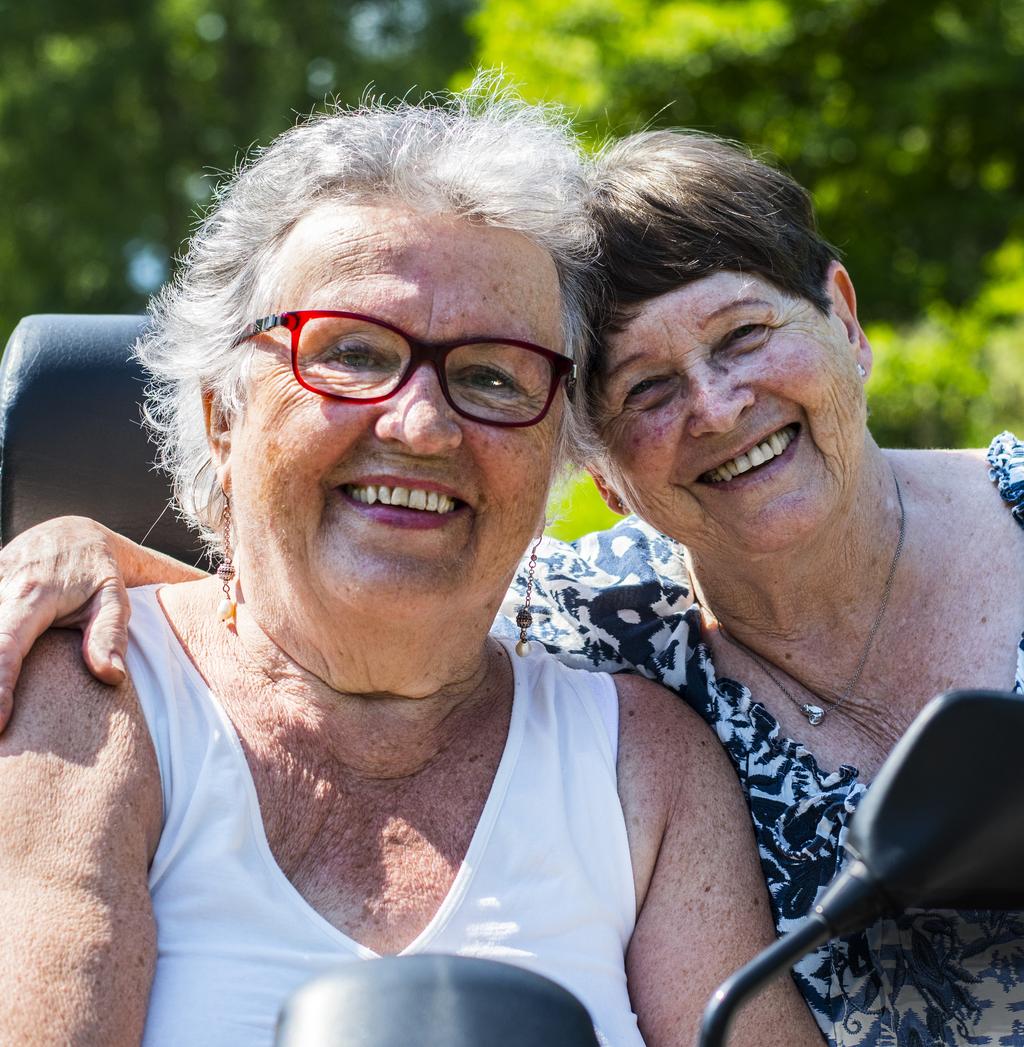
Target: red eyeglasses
x: 360, y: 359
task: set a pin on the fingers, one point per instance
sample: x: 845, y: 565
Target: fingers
x: 105, y: 633
x: 60, y: 573
x: 22, y: 621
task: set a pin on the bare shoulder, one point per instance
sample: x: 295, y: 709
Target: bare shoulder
x: 58, y: 700
x: 670, y: 766
x: 77, y: 743
x: 955, y: 486
x: 655, y: 722
x: 79, y: 823
x: 942, y: 468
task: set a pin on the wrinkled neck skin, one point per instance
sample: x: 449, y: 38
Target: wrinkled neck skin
x: 792, y: 604
x: 383, y: 686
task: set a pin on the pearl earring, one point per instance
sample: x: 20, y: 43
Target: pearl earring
x: 524, y: 619
x: 226, y: 569
x: 861, y: 371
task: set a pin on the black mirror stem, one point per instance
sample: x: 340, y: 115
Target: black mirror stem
x: 851, y: 902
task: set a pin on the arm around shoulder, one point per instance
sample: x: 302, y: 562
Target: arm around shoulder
x: 72, y: 571
x: 703, y: 907
x: 79, y: 822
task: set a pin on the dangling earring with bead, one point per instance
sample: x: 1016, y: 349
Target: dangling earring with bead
x: 226, y: 569
x: 523, y: 617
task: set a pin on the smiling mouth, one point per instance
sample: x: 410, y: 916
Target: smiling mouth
x: 406, y: 497
x: 757, y: 456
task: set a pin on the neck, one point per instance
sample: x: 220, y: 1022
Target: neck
x: 794, y: 605
x: 384, y: 691
x: 403, y: 648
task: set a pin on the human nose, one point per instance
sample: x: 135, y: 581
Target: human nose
x: 716, y: 399
x: 419, y: 416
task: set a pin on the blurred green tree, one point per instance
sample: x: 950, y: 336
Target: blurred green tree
x: 116, y: 119
x: 904, y: 117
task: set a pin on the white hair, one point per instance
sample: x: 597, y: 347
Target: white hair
x: 481, y: 154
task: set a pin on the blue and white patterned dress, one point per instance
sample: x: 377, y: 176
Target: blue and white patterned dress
x: 619, y: 599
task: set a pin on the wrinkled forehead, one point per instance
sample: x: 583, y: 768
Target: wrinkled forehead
x: 691, y: 309
x: 437, y: 275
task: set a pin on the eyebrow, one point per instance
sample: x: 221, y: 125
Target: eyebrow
x: 621, y: 365
x: 737, y: 303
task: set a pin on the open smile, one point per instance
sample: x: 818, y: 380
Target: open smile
x: 757, y: 456
x: 406, y: 497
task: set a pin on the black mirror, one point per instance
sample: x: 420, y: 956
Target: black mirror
x: 940, y: 827
x: 433, y: 1001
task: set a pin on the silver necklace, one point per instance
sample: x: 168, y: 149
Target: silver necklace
x: 816, y: 713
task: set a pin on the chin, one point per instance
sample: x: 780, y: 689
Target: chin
x: 392, y: 575
x: 784, y: 525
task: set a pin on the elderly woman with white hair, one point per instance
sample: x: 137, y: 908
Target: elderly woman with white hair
x: 321, y: 754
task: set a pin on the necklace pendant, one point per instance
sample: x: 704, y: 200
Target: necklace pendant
x: 814, y: 713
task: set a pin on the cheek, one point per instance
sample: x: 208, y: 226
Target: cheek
x: 281, y: 449
x: 643, y: 441
x: 518, y: 472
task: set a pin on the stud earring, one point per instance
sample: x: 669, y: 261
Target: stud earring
x: 861, y: 371
x: 226, y: 569
x: 524, y: 619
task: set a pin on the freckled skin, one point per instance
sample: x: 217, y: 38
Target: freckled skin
x: 793, y: 560
x: 734, y: 359
x: 369, y: 701
x: 291, y: 450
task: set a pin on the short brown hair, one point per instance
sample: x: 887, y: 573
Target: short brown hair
x: 671, y: 207
x: 674, y: 206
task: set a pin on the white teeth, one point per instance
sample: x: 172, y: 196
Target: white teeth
x: 763, y: 452
x: 413, y: 498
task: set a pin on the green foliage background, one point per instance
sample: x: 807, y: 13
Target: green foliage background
x: 904, y: 117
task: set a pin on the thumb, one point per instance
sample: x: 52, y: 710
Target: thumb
x: 105, y: 631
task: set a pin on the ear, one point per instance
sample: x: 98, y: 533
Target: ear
x: 612, y: 500
x: 218, y: 437
x: 840, y: 290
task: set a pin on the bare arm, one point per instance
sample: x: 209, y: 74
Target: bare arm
x: 703, y: 904
x: 72, y: 572
x: 79, y: 821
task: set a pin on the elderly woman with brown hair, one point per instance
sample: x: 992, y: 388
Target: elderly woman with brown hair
x: 321, y: 755
x: 803, y: 589
x: 807, y: 590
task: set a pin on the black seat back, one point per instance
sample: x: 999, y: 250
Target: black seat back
x: 71, y: 436
x: 433, y: 1001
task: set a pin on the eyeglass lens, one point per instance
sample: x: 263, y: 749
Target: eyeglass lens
x: 491, y: 381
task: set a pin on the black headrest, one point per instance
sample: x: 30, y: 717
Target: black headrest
x: 71, y: 436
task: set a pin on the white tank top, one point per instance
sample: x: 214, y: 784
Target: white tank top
x: 546, y: 883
